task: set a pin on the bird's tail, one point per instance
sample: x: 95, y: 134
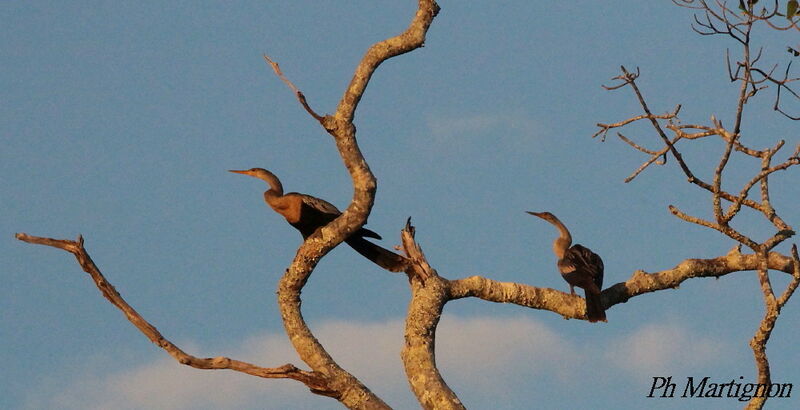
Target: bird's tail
x: 384, y: 258
x: 594, y: 307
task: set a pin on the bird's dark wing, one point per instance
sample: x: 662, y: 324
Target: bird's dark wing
x: 586, y: 261
x: 585, y: 270
x: 565, y: 266
x: 316, y: 213
x: 313, y: 213
x: 319, y: 205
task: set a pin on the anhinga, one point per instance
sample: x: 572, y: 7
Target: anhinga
x: 307, y: 214
x: 579, y: 266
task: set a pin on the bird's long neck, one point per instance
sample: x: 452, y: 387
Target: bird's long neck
x: 274, y: 195
x: 564, y: 240
x: 275, y: 186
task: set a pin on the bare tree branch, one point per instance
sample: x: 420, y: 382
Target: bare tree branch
x: 315, y: 381
x: 300, y: 96
x: 429, y: 293
x: 571, y: 307
x: 725, y: 229
x: 632, y: 81
x: 353, y: 393
x: 411, y: 39
x: 759, y: 341
x: 718, y: 19
x: 327, y: 377
x: 605, y: 127
x: 655, y: 155
x: 789, y: 291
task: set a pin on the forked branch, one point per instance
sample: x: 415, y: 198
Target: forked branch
x: 431, y: 294
x: 353, y: 393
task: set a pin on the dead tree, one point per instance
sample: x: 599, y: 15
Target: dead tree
x: 429, y: 292
x: 749, y: 73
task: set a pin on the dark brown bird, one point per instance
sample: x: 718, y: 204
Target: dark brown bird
x: 579, y: 266
x: 307, y: 214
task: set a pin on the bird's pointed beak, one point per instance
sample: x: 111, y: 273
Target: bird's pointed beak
x: 246, y: 172
x: 539, y: 214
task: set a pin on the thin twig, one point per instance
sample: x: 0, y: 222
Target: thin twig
x: 604, y: 128
x: 789, y: 291
x: 727, y: 230
x: 299, y: 94
x: 653, y: 159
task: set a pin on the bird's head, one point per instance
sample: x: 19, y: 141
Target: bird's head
x: 253, y: 172
x: 264, y: 175
x: 547, y: 216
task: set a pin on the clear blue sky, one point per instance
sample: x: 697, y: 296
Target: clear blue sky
x: 119, y: 120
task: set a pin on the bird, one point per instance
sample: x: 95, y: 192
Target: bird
x: 307, y: 213
x: 579, y: 266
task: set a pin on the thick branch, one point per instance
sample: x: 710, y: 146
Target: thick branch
x: 642, y: 282
x: 759, y: 341
x: 315, y: 381
x: 344, y: 386
x: 429, y: 293
x: 567, y: 305
x: 353, y: 393
x: 411, y: 39
x: 418, y: 354
x: 571, y: 306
